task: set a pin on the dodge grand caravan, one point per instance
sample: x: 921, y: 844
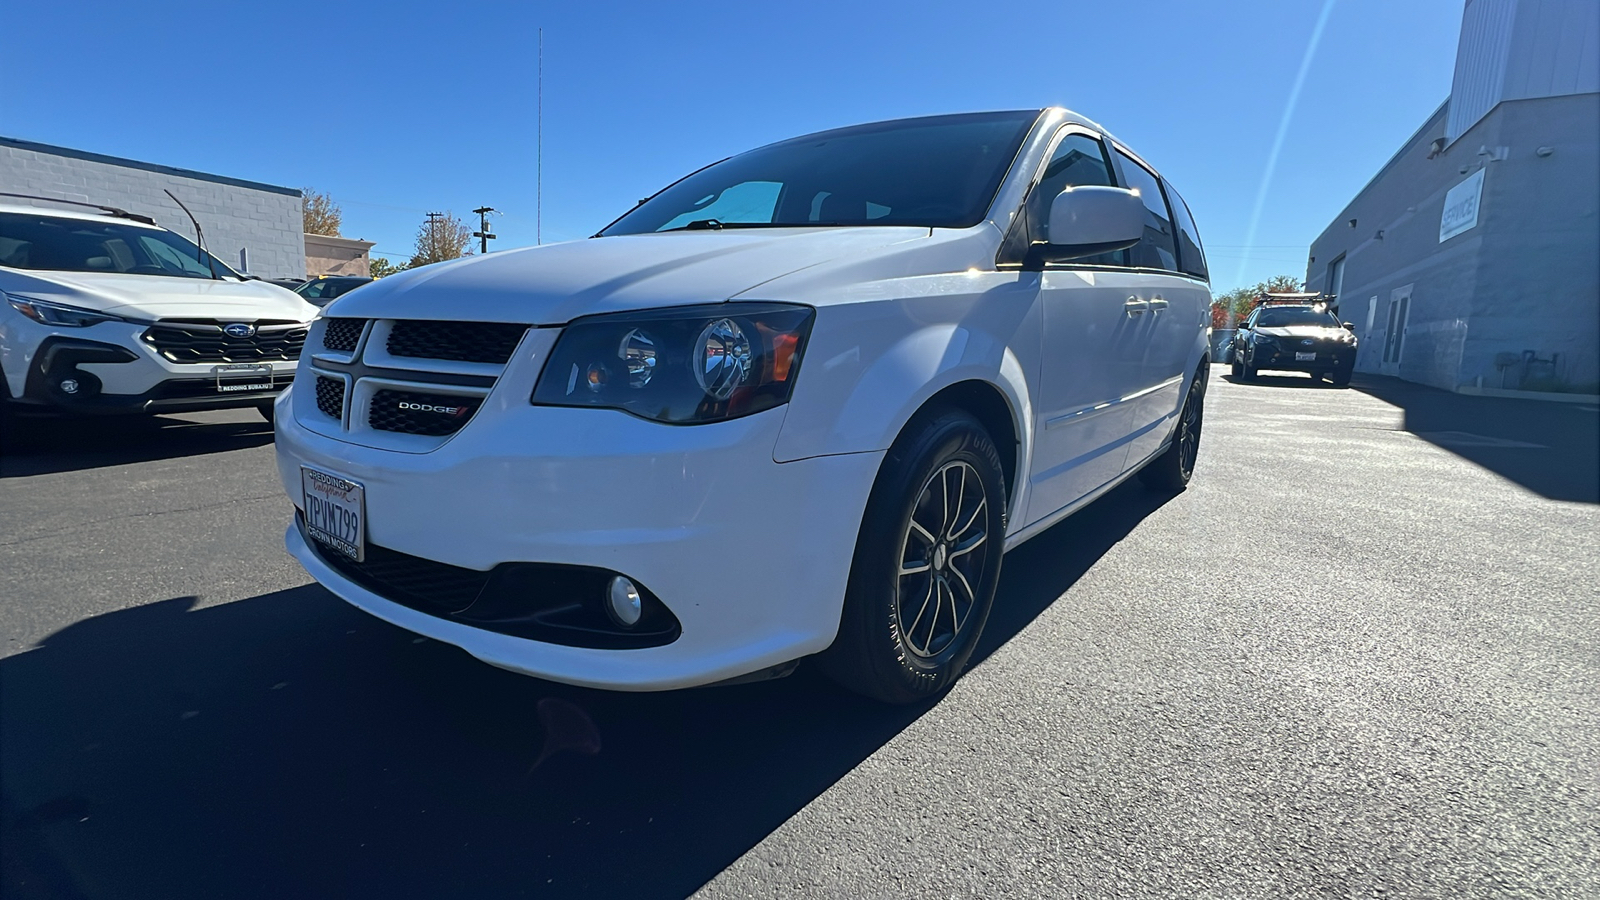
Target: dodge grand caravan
x: 796, y: 404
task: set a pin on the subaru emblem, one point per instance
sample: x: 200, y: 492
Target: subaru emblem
x: 1308, y: 342
x: 239, y: 330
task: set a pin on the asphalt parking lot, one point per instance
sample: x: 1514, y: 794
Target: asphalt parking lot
x: 1356, y: 658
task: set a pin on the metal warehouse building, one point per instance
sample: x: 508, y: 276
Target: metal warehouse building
x: 1471, y: 261
x: 253, y: 227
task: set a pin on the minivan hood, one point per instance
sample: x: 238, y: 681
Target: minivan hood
x: 556, y: 283
x: 159, y: 296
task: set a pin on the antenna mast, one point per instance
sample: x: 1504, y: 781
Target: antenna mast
x: 538, y: 178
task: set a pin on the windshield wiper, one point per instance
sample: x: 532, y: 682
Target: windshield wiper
x: 719, y: 225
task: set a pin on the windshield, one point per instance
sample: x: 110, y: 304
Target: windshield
x: 1288, y: 318
x: 55, y: 243
x: 939, y: 172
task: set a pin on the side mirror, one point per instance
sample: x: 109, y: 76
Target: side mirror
x: 1090, y: 219
x: 1349, y: 326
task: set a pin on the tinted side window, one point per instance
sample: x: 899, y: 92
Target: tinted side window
x: 1190, y: 256
x: 1157, y: 250
x: 1078, y: 160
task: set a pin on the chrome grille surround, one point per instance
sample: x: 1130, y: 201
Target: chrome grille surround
x: 204, y: 341
x: 405, y: 401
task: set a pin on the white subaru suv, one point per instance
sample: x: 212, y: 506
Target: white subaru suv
x: 796, y: 404
x: 107, y: 312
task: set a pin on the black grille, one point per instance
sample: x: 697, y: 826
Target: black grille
x: 390, y: 413
x: 192, y: 341
x: 342, y: 334
x: 330, y: 396
x: 539, y: 601
x: 423, y: 584
x: 483, y: 342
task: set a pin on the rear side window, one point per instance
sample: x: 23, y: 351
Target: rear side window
x: 1190, y: 256
x: 1157, y: 250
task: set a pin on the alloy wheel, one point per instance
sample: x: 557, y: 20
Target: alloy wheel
x: 944, y: 553
x: 1189, y: 428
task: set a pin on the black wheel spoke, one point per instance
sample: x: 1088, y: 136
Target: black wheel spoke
x: 939, y: 566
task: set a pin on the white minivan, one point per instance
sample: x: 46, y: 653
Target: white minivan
x: 796, y: 404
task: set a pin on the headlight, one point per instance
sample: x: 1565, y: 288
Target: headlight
x: 1265, y: 339
x: 684, y: 366
x: 47, y: 313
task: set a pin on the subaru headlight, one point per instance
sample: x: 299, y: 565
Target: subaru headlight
x: 685, y: 366
x: 59, y: 314
x: 1265, y: 338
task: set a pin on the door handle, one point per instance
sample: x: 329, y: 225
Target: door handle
x: 1135, y: 306
x: 1157, y: 303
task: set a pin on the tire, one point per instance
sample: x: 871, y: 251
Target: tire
x: 1171, y: 471
x: 1250, y: 372
x: 1341, y: 377
x: 267, y: 413
x: 1237, y: 370
x: 913, y: 551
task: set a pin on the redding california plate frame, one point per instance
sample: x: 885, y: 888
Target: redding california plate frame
x: 335, y: 512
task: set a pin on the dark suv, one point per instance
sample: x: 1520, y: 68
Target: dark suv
x: 322, y: 289
x: 1295, y: 337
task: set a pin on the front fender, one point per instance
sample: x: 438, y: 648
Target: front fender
x: 861, y: 397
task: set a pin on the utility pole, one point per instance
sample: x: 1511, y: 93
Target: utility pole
x: 433, y: 235
x: 483, y: 234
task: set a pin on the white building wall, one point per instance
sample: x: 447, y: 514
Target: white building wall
x: 1520, y: 50
x: 1481, y: 58
x: 264, y: 220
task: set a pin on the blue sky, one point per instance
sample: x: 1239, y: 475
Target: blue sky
x: 397, y: 108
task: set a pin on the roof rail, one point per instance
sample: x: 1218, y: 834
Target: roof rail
x: 108, y: 210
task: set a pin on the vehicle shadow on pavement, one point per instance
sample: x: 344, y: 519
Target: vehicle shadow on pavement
x: 291, y: 746
x: 1550, y: 448
x: 1304, y: 382
x: 41, y: 446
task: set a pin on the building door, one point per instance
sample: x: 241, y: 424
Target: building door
x: 1394, y: 337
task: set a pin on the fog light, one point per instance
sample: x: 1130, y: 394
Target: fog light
x: 69, y: 386
x: 623, y: 602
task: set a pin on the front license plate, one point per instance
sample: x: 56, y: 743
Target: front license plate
x: 1304, y: 357
x: 335, y: 511
x: 242, y: 377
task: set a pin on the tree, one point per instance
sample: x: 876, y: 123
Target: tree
x: 379, y: 267
x: 1286, y: 284
x: 1232, y: 306
x: 321, y: 214
x: 441, y: 237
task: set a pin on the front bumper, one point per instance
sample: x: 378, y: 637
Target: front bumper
x: 1328, y: 358
x: 113, y: 372
x: 751, y: 556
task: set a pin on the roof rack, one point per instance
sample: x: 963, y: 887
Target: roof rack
x: 108, y: 210
x: 1295, y: 298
